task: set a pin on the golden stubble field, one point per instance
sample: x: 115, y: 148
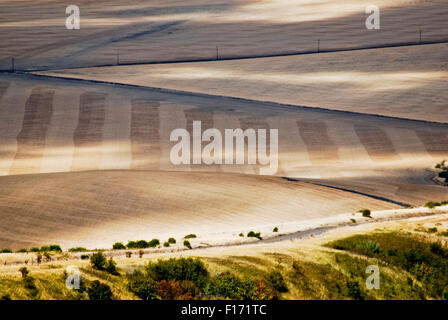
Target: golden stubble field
x: 405, y: 82
x: 35, y: 34
x: 87, y: 163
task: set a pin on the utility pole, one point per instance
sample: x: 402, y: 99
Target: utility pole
x: 12, y: 64
x: 420, y: 36
x: 318, y: 46
x: 217, y: 53
x: 118, y: 56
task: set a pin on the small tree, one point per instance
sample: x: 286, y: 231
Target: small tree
x: 365, y: 213
x: 187, y: 244
x: 99, y: 291
x: 24, y: 271
x: 38, y: 258
x: 154, y: 243
x: 172, y: 240
x: 98, y: 261
x: 111, y: 267
x: 118, y: 246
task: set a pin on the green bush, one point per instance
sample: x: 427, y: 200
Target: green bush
x: 166, y: 244
x: 229, y: 286
x: 34, y: 249
x: 118, y: 246
x: 432, y: 230
x: 427, y: 261
x: 24, y: 271
x: 369, y: 246
x: 31, y: 287
x: 241, y: 235
x: 22, y: 251
x: 276, y: 281
x: 142, y: 286
x: 111, y: 267
x: 6, y: 250
x: 77, y: 249
x: 140, y: 244
x: 275, y: 229
x: 99, y: 291
x: 432, y: 204
x: 190, y: 236
x: 84, y: 256
x: 365, y: 213
x: 443, y: 174
x: 51, y: 247
x: 154, y: 243
x: 172, y: 240
x: 179, y: 269
x: 98, y: 261
x: 187, y: 244
x: 253, y: 234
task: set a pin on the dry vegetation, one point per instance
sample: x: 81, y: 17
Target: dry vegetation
x: 331, y: 266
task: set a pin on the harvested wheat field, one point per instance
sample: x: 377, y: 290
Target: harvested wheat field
x: 407, y: 82
x: 52, y: 125
x: 98, y: 208
x: 34, y: 32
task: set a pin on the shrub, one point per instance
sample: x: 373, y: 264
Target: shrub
x: 140, y: 244
x: 187, y: 244
x: 425, y: 260
x: 180, y: 269
x: 34, y: 249
x: 131, y: 245
x: 227, y: 285
x: 432, y: 230
x: 31, y: 286
x: 172, y: 240
x: 99, y: 291
x: 432, y: 204
x: 6, y: 250
x: 354, y: 290
x: 369, y: 246
x: 353, y: 220
x: 47, y: 256
x: 169, y: 290
x: 51, y: 247
x: 365, y: 213
x: 84, y: 257
x: 141, y: 253
x: 252, y: 234
x: 128, y: 254
x: 21, y: 250
x: 111, y: 267
x: 24, y: 271
x: 190, y: 236
x: 118, y: 246
x: 241, y: 234
x: 154, y: 243
x: 275, y: 229
x: 276, y: 281
x: 5, y: 297
x: 443, y: 174
x: 98, y: 261
x: 77, y: 249
x: 166, y: 244
x: 142, y: 286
